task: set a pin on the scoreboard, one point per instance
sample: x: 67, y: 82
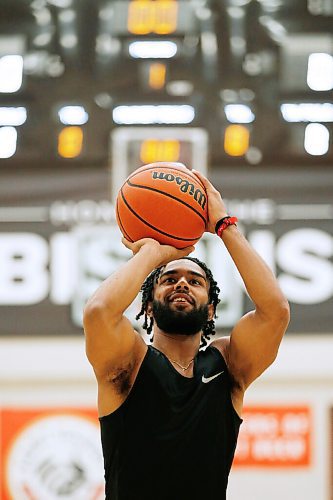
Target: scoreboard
x: 153, y: 17
x: 132, y: 147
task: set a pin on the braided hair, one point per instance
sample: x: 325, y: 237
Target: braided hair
x: 147, y: 296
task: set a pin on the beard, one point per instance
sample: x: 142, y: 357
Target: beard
x: 179, y: 322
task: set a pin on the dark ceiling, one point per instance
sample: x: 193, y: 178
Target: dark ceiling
x: 250, y: 51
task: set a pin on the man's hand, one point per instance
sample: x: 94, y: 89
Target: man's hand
x: 216, y: 207
x: 165, y: 253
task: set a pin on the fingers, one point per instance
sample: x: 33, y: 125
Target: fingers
x: 207, y: 184
x: 186, y: 251
x: 203, y: 179
x: 126, y: 243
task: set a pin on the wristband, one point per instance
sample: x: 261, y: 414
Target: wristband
x: 223, y: 223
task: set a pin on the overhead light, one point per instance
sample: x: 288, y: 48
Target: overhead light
x: 11, y: 73
x: 236, y: 12
x: 320, y: 71
x: 106, y: 13
x: 73, y: 115
x: 203, y: 13
x: 307, y: 112
x: 8, y: 141
x: 316, y: 139
x: 103, y: 100
x: 42, y: 16
x: 70, y: 142
x: 69, y: 40
x: 153, y: 50
x: 62, y: 4
x: 180, y: 88
x: 239, y: 113
x: 209, y: 43
x: 67, y: 15
x: 106, y: 45
x: 42, y: 39
x: 236, y: 140
x: 157, y: 75
x: 150, y: 114
x: 13, y: 116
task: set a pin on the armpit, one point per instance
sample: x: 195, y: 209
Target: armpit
x: 121, y: 379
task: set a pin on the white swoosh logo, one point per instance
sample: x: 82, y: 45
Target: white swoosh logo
x: 209, y: 379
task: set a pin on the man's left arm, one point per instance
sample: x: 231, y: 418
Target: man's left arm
x: 255, y: 339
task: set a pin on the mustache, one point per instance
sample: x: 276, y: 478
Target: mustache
x: 179, y: 322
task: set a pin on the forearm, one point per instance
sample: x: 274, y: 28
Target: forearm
x: 120, y: 289
x: 258, y: 278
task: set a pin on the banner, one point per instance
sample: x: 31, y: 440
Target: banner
x: 51, y: 454
x: 275, y: 436
x: 59, y: 241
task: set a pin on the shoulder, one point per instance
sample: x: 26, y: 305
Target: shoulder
x: 222, y: 344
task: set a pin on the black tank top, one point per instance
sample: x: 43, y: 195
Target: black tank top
x: 174, y: 437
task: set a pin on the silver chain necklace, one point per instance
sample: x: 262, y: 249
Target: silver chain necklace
x: 184, y: 368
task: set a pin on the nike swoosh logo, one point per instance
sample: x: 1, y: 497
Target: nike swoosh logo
x: 209, y: 379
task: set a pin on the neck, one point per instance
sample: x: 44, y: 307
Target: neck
x: 181, y: 348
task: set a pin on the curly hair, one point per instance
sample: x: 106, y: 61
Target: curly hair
x: 147, y: 296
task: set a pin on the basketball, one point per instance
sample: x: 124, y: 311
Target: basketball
x: 163, y: 201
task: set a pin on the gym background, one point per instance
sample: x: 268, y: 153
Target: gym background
x: 90, y: 90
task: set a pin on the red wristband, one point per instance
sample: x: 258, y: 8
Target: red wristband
x: 222, y: 224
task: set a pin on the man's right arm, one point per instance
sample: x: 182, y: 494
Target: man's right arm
x: 110, y: 338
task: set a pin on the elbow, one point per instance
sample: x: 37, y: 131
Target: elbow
x: 277, y: 313
x: 285, y: 310
x: 282, y: 314
x: 93, y: 312
x: 98, y: 313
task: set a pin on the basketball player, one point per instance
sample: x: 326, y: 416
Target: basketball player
x: 169, y: 413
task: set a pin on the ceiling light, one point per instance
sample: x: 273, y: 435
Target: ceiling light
x: 180, y: 88
x: 73, y: 115
x: 320, y: 71
x: 106, y: 13
x: 13, y: 116
x: 11, y: 73
x: 42, y: 16
x: 209, y: 43
x: 42, y: 39
x: 153, y: 50
x: 8, y: 140
x: 69, y: 41
x: 307, y: 112
x: 239, y: 113
x: 150, y: 114
x: 107, y: 45
x: 103, y: 100
x: 316, y: 139
x: 67, y: 16
x: 63, y: 4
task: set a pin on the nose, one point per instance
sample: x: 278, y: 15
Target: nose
x: 182, y: 284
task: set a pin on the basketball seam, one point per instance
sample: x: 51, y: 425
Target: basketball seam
x: 153, y: 227
x: 169, y: 195
x: 121, y: 224
x: 171, y: 168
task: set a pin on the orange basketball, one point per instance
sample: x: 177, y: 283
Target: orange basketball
x: 164, y: 201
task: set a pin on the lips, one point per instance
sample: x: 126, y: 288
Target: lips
x: 181, y: 298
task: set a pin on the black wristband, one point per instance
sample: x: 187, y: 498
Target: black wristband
x: 219, y: 222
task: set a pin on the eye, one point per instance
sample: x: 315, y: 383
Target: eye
x: 169, y: 280
x: 195, y: 282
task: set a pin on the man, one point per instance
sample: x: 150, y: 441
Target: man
x: 169, y: 414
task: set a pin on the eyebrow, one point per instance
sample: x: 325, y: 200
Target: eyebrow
x: 175, y: 271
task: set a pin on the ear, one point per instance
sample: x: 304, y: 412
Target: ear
x: 211, y: 312
x: 149, y: 309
